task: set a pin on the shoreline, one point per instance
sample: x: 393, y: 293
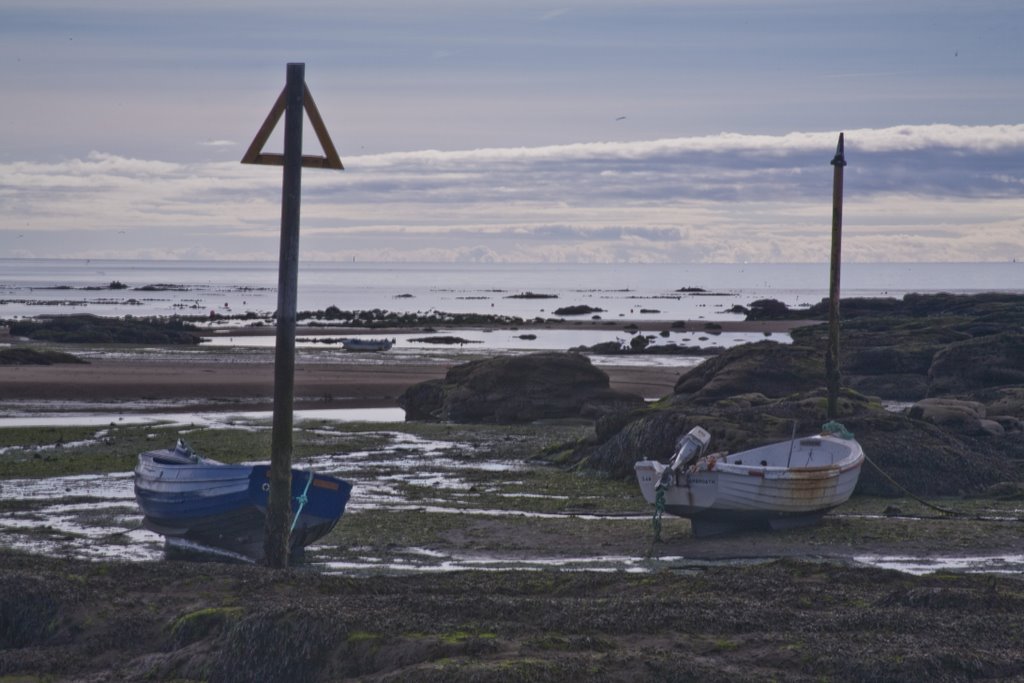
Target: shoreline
x: 220, y: 386
x: 651, y: 326
x: 223, y: 378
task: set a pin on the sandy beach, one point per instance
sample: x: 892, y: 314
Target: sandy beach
x: 214, y: 383
x: 215, y: 377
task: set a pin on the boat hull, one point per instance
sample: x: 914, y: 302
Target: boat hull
x: 367, y: 345
x: 224, y: 506
x: 777, y: 486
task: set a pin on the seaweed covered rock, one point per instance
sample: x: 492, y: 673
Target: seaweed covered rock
x: 978, y: 363
x: 768, y: 368
x: 29, y: 609
x: 92, y: 329
x: 964, y: 352
x: 908, y: 358
x: 511, y: 389
x: 916, y: 454
x: 26, y: 356
x: 1001, y: 308
x: 735, y: 423
x: 579, y: 309
x: 964, y: 416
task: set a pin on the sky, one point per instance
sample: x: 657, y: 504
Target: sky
x: 517, y: 131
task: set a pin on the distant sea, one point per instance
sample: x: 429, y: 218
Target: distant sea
x: 32, y: 287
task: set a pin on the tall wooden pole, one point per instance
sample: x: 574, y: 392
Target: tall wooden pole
x: 832, y: 354
x: 276, y: 543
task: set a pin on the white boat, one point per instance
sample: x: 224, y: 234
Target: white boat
x: 356, y: 344
x: 781, y: 485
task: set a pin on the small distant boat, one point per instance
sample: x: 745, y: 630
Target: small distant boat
x: 356, y: 344
x: 195, y: 500
x: 778, y: 486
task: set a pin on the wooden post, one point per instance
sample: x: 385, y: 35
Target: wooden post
x: 276, y: 544
x: 832, y: 354
x: 293, y: 100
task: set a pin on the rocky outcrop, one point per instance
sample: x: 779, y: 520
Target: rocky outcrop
x: 958, y: 359
x: 946, y: 345
x: 978, y: 363
x: 771, y: 369
x: 93, y: 329
x: 966, y: 417
x: 922, y: 455
x: 998, y: 308
x: 516, y: 389
x: 21, y: 355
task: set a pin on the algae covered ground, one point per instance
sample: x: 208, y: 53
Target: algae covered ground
x: 464, y: 556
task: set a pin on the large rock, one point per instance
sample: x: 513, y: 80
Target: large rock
x: 921, y: 457
x: 94, y: 329
x: 894, y: 387
x: 1005, y: 401
x: 969, y: 350
x: 964, y: 416
x: 513, y: 389
x: 979, y: 363
x: 767, y: 368
x: 21, y: 355
x: 889, y: 360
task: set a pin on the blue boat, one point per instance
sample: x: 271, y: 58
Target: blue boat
x: 190, y: 499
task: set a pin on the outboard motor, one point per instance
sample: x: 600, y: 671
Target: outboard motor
x: 689, y: 447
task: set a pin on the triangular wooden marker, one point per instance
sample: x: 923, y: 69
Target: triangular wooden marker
x: 255, y: 154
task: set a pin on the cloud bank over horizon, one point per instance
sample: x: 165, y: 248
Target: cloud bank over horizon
x: 912, y: 193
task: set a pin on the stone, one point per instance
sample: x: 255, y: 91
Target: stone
x: 991, y: 427
x: 895, y: 387
x: 978, y: 363
x: 518, y: 389
x: 767, y: 368
x: 964, y: 416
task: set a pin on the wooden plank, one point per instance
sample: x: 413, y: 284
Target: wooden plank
x: 252, y: 154
x: 274, y: 159
x: 332, y: 158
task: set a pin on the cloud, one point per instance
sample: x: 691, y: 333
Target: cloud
x: 936, y: 192
x: 554, y: 14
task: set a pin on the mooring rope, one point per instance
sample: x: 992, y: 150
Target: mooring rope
x: 659, y: 510
x: 838, y: 429
x: 907, y: 491
x: 302, y: 500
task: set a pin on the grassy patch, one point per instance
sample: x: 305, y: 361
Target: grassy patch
x: 202, y: 623
x: 52, y: 452
x: 383, y: 529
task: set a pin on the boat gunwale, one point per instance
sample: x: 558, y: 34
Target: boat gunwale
x: 835, y: 468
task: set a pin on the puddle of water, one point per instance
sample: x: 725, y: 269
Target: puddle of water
x: 220, y: 420
x: 113, y: 486
x: 436, y: 562
x: 93, y: 516
x: 985, y: 564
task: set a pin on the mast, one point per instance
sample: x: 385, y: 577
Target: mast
x: 832, y: 353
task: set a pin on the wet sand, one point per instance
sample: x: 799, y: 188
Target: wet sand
x: 217, y: 376
x: 337, y: 385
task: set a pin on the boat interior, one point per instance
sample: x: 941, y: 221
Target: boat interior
x: 802, y: 453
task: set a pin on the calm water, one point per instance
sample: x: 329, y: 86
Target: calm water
x: 46, y: 287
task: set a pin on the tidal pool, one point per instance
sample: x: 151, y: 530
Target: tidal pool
x: 464, y: 504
